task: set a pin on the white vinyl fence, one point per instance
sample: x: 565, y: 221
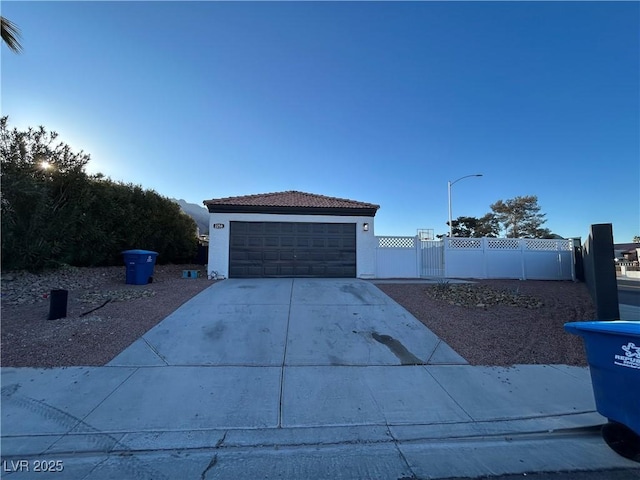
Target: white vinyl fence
x: 409, y: 257
x: 522, y: 258
x: 517, y: 258
x: 397, y: 257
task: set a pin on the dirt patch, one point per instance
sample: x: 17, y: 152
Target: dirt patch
x: 92, y: 333
x: 502, y: 322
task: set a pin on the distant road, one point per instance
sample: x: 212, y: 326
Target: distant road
x: 629, y: 292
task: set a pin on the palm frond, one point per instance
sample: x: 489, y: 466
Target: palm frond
x: 10, y: 35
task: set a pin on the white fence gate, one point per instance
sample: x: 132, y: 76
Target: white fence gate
x: 431, y: 258
x: 517, y: 258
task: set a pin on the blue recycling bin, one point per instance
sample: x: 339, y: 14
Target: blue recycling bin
x: 139, y: 266
x: 613, y: 353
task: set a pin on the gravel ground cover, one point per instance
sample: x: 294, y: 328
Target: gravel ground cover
x: 94, y: 331
x: 502, y: 322
x: 490, y: 322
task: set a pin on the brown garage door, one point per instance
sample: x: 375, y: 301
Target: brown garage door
x: 292, y: 249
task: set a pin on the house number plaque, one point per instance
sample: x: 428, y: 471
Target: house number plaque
x: 218, y: 225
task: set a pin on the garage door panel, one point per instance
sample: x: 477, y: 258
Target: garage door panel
x: 255, y: 241
x: 236, y: 272
x: 348, y: 243
x: 287, y: 255
x: 302, y: 270
x: 287, y: 241
x: 318, y: 257
x: 288, y: 249
x: 271, y: 242
x: 338, y: 228
x: 319, y: 242
x: 238, y: 241
x: 303, y: 241
x: 254, y: 271
x: 336, y: 272
x: 255, y: 256
x: 255, y: 228
x: 287, y: 271
x: 318, y: 271
x: 332, y: 256
x: 241, y: 227
x: 271, y: 270
x: 333, y: 243
x: 272, y: 228
x: 270, y: 255
x: 239, y: 255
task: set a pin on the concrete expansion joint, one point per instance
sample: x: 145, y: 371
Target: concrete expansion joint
x: 155, y: 350
x: 435, y: 349
x: 406, y: 462
x: 284, y: 359
x: 451, y: 396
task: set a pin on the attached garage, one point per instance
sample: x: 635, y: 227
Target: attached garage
x: 291, y: 234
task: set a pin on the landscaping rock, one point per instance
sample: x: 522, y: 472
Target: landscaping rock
x: 480, y: 296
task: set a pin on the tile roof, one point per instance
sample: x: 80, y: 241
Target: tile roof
x: 291, y: 198
x: 626, y: 246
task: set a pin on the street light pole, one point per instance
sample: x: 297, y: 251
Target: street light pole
x: 449, y: 184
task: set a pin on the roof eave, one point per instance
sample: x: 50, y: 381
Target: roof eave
x: 293, y: 210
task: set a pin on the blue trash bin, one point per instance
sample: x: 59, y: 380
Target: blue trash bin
x: 613, y: 353
x: 139, y: 266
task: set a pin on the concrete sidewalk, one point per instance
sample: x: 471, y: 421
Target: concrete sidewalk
x: 297, y: 379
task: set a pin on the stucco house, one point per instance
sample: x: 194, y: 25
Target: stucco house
x: 628, y: 252
x: 291, y: 234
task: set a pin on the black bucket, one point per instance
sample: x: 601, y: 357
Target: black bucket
x: 58, y: 304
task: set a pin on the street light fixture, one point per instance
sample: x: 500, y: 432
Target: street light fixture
x: 449, y: 184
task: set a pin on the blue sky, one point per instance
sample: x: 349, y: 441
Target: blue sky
x: 382, y: 102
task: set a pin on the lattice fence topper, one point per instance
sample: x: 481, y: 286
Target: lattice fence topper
x: 465, y: 243
x: 543, y: 244
x: 396, y: 242
x: 503, y: 244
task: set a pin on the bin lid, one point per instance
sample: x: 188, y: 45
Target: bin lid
x: 139, y: 252
x: 614, y: 327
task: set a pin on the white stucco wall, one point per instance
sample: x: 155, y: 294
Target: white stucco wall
x: 219, y: 238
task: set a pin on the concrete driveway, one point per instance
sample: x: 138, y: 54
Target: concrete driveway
x: 292, y: 322
x: 297, y: 378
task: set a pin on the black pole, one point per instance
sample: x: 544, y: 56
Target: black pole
x: 600, y: 271
x: 58, y: 304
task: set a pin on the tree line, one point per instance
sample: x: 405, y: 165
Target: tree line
x: 54, y: 213
x: 518, y: 217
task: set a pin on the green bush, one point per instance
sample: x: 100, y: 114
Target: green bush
x: 53, y: 213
